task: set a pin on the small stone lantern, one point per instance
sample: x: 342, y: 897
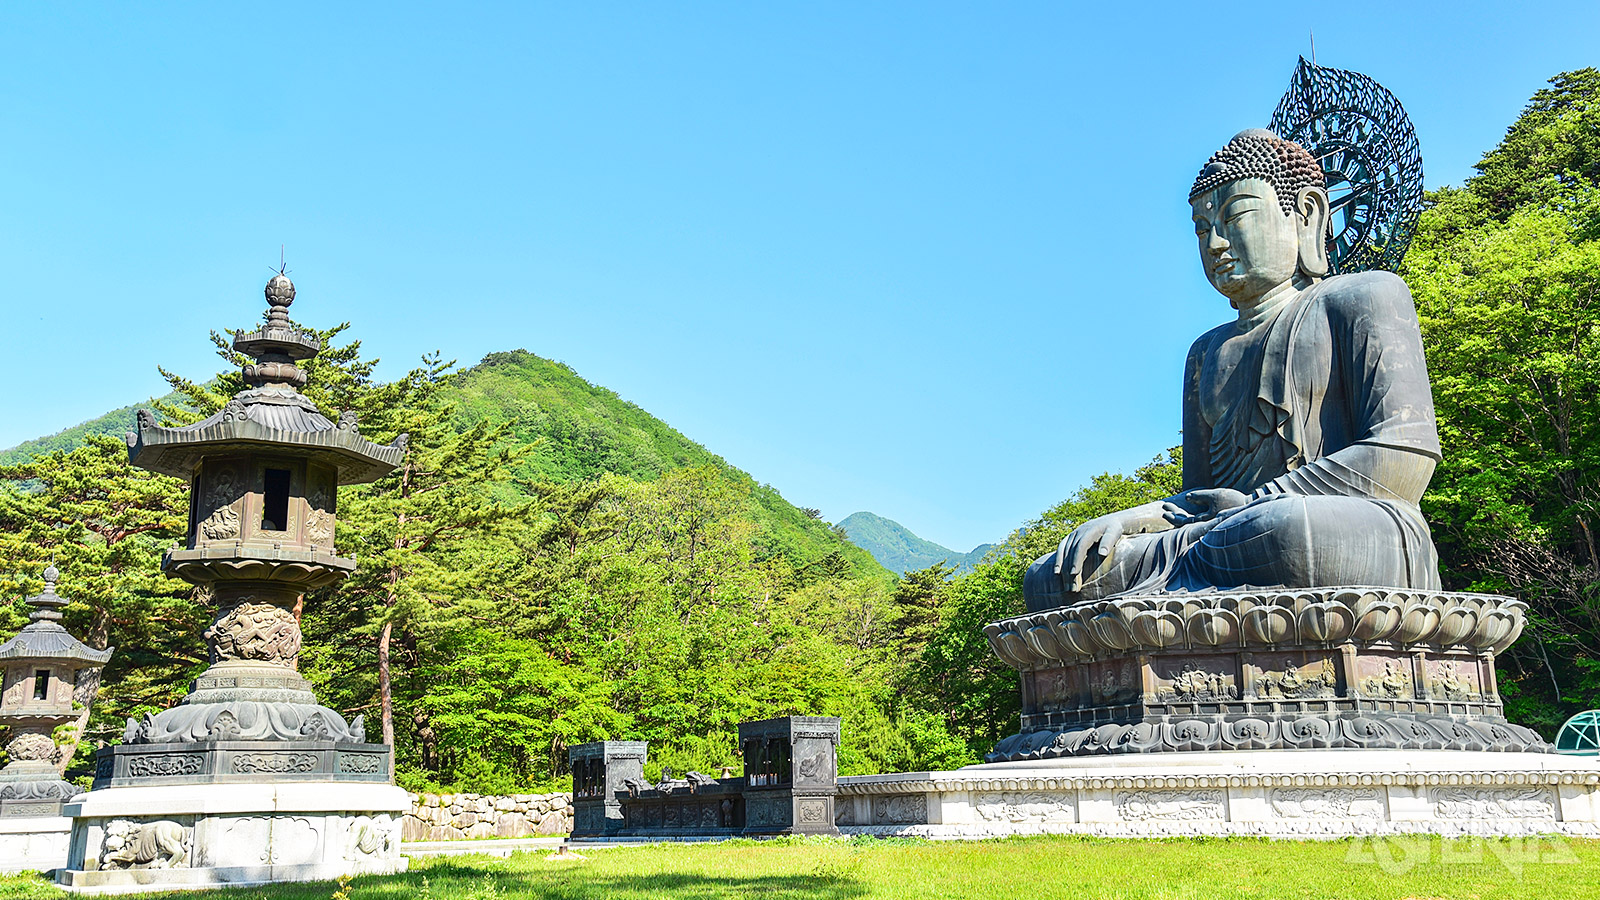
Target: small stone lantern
x: 41, y: 673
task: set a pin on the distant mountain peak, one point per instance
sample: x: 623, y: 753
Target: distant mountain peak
x: 899, y: 549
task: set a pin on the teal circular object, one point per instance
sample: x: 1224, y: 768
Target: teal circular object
x: 1581, y: 735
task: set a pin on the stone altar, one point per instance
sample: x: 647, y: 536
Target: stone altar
x: 790, y: 778
x: 1288, y: 596
x: 249, y: 778
x: 601, y: 771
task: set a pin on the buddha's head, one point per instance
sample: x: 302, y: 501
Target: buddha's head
x: 1261, y: 214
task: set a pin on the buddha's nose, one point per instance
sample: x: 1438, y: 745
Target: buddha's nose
x: 1216, y: 244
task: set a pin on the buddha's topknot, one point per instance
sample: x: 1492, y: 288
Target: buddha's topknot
x: 1258, y: 153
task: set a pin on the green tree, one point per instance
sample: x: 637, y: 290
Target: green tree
x: 105, y: 524
x: 1506, y: 275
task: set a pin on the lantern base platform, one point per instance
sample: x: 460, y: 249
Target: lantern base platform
x: 240, y: 762
x: 33, y: 843
x: 128, y: 839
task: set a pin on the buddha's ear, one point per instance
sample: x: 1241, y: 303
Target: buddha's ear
x: 1311, y: 221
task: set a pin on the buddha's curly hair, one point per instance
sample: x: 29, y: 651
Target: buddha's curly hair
x: 1258, y: 153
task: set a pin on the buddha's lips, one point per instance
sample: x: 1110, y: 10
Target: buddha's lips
x: 1223, y: 265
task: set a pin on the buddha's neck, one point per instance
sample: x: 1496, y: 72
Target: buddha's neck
x: 1262, y: 308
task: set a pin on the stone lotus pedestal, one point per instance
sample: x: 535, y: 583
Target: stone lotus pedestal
x: 249, y: 778
x: 1292, y: 669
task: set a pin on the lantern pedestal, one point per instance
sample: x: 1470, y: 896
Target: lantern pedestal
x: 236, y: 834
x: 30, y: 842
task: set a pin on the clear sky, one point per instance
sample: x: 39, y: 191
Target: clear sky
x: 929, y: 260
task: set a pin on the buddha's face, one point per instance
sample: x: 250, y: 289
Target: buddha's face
x: 1247, y: 245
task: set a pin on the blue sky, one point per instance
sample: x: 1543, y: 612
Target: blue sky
x: 929, y: 260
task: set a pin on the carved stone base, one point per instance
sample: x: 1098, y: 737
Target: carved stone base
x: 1281, y: 794
x: 1357, y: 667
x: 31, y: 787
x: 243, y: 762
x: 145, y: 838
x: 33, y: 843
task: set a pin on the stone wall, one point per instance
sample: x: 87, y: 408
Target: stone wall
x: 457, y: 817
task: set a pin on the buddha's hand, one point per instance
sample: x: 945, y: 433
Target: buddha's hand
x: 1100, y: 536
x: 1202, y: 504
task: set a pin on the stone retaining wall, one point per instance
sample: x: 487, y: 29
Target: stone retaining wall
x: 457, y: 817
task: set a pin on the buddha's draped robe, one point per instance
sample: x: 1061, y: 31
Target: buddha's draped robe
x: 1325, y: 419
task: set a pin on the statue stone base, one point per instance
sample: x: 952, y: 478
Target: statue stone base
x: 1262, y: 669
x: 175, y: 835
x: 1300, y: 794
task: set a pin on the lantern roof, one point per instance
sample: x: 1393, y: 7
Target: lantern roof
x: 43, y: 638
x: 272, y: 415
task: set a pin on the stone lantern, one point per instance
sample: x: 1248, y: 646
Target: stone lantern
x: 264, y: 472
x: 41, y: 673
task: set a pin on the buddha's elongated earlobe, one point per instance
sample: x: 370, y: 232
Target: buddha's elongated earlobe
x: 1311, y: 223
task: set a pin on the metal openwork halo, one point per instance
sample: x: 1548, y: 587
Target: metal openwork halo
x: 1368, y: 150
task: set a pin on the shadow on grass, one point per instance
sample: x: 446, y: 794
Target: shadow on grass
x: 469, y: 881
x: 486, y: 879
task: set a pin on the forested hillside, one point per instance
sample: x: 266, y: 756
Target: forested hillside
x: 551, y: 565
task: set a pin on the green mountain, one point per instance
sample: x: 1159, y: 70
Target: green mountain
x: 893, y: 545
x: 116, y: 422
x: 585, y: 430
x: 582, y: 431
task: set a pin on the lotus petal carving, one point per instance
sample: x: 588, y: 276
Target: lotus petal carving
x: 1376, y: 618
x: 1497, y: 629
x: 1418, y: 621
x: 1157, y: 628
x: 1044, y: 643
x: 1327, y: 622
x: 1111, y: 631
x: 1269, y: 624
x: 1212, y: 627
x: 1456, y: 624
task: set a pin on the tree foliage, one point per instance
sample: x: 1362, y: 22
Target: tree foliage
x: 1506, y: 274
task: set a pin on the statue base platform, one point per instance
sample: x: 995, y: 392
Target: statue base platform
x: 1277, y: 793
x: 144, y: 838
x: 33, y: 843
x: 1262, y: 669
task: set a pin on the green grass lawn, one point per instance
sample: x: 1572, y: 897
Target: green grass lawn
x: 1048, y: 868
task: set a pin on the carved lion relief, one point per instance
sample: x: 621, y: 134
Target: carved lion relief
x: 144, y: 845
x: 1185, y: 805
x: 1031, y: 806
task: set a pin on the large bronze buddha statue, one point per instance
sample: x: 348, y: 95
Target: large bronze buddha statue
x: 1308, y: 424
x: 1288, y: 597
